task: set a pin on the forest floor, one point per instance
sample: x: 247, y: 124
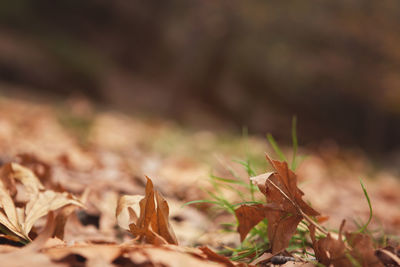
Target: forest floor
x: 97, y: 156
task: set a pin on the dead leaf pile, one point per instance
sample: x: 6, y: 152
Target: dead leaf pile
x: 110, y: 158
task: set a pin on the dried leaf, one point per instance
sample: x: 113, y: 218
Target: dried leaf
x: 212, y: 256
x: 263, y: 258
x: 363, y: 249
x: 29, y: 255
x: 61, y: 220
x: 20, y: 220
x: 281, y: 228
x: 127, y: 210
x: 284, y: 210
x: 161, y: 225
x: 388, y: 256
x: 335, y: 252
x: 248, y: 217
x: 152, y: 226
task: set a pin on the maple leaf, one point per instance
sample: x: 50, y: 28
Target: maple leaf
x: 20, y: 220
x: 152, y: 225
x: 284, y: 210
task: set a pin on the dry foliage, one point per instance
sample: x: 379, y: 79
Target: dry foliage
x: 24, y: 200
x: 152, y: 225
x: 285, y: 209
x: 86, y: 191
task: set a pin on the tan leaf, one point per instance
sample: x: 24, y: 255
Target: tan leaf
x: 162, y: 225
x: 61, y: 220
x: 42, y: 203
x: 27, y: 178
x: 147, y: 206
x: 123, y: 214
x: 152, y: 226
x: 20, y: 220
x: 29, y: 255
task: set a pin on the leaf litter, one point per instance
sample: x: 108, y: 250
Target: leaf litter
x: 85, y: 191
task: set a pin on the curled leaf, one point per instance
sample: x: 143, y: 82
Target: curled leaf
x: 152, y: 225
x: 20, y: 220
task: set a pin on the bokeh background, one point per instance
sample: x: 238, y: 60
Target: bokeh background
x: 217, y: 64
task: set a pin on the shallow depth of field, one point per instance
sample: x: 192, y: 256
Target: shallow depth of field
x: 202, y: 133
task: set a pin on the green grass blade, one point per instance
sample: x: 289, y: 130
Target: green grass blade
x: 248, y: 203
x: 362, y: 229
x: 276, y: 148
x: 201, y: 201
x: 230, y: 181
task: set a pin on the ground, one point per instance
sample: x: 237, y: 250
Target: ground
x: 99, y: 155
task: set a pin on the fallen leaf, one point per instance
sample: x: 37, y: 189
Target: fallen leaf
x: 29, y: 255
x: 20, y: 220
x: 211, y: 255
x: 138, y: 255
x: 160, y: 223
x: 127, y: 210
x: 284, y: 210
x: 248, y: 217
x: 266, y: 256
x: 363, y: 249
x: 336, y: 252
x: 152, y: 225
x: 388, y: 256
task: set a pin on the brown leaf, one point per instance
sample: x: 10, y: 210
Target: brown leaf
x: 284, y: 210
x: 263, y: 258
x: 212, y: 256
x: 102, y: 255
x: 162, y: 225
x: 147, y: 206
x: 21, y: 220
x: 152, y: 226
x: 127, y: 210
x: 281, y: 228
x: 363, y: 249
x: 61, y: 220
x: 329, y: 250
x: 138, y: 255
x: 335, y: 252
x: 287, y: 182
x: 248, y: 217
x: 29, y: 255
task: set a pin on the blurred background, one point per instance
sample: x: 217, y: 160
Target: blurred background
x: 217, y: 65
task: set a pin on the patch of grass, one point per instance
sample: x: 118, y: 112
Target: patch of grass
x: 256, y: 241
